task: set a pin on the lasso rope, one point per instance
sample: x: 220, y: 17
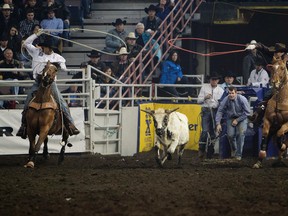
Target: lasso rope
x: 171, y: 43
x: 48, y: 32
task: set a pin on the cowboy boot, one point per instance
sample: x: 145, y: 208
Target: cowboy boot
x: 22, y: 132
x: 70, y: 127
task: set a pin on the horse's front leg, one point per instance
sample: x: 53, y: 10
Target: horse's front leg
x: 264, y: 143
x: 63, y: 143
x: 32, y: 155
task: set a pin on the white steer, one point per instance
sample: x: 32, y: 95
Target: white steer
x: 172, y: 131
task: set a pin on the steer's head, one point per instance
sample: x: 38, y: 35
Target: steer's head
x: 160, y: 118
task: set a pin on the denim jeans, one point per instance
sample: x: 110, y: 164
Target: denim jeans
x: 236, y: 136
x: 57, y: 96
x: 208, y: 124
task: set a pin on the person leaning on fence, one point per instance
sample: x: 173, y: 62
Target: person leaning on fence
x: 236, y: 108
x: 209, y: 97
x: 259, y: 76
x: 40, y: 56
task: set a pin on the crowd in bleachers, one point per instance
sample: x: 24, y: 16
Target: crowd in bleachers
x: 20, y: 19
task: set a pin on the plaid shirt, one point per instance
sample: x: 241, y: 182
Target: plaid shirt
x: 26, y: 27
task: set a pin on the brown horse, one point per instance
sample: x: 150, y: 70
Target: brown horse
x: 44, y: 117
x: 276, y: 114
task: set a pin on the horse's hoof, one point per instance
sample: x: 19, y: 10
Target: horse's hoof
x: 30, y: 164
x: 169, y: 156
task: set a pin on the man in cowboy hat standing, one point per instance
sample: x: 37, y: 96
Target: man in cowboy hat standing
x: 259, y: 76
x: 95, y: 62
x: 209, y: 97
x: 116, y: 37
x: 40, y: 56
x: 152, y: 22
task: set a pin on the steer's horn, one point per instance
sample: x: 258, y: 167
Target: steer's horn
x: 170, y: 111
x: 150, y: 112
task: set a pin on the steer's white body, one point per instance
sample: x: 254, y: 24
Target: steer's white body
x: 172, y: 131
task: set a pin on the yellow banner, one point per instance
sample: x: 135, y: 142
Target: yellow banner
x: 146, y: 126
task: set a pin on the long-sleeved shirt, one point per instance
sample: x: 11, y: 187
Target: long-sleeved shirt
x: 40, y: 59
x: 258, y: 78
x: 54, y: 23
x: 237, y: 109
x: 216, y: 93
x: 170, y: 72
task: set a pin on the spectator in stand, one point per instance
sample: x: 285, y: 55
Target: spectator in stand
x: 172, y: 74
x: 51, y: 22
x: 164, y: 8
x: 72, y: 99
x: 143, y: 38
x: 259, y: 76
x: 228, y: 80
x: 132, y: 47
x: 6, y: 19
x: 95, y: 61
x: 3, y: 45
x: 249, y: 61
x: 86, y: 7
x: 35, y: 6
x: 62, y: 12
x: 10, y: 62
x: 14, y: 41
x: 122, y: 64
x: 26, y: 25
x: 113, y: 43
x: 103, y: 89
x: 209, y: 97
x: 16, y: 7
x: 236, y: 108
x: 152, y: 22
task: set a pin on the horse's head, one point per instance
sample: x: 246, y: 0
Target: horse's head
x: 278, y: 74
x: 49, y: 73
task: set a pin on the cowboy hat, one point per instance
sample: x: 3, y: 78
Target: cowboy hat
x: 47, y: 42
x: 213, y: 75
x: 123, y: 51
x: 151, y: 8
x: 119, y: 22
x: 279, y: 47
x: 94, y: 54
x: 259, y: 61
x: 6, y: 7
x: 4, y: 37
x: 131, y: 35
x: 229, y: 73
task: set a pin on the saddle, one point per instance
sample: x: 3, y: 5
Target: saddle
x: 52, y: 104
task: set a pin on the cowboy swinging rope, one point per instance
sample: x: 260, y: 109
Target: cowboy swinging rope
x: 170, y: 42
x: 48, y: 32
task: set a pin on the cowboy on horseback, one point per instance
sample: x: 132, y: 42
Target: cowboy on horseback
x: 273, y: 54
x: 41, y: 54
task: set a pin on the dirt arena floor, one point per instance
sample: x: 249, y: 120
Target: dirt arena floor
x: 114, y: 185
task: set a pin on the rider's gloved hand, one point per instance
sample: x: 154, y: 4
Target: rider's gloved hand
x: 39, y: 32
x: 250, y: 47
